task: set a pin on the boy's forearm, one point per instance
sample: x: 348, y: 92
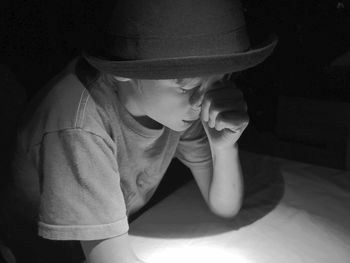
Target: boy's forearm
x: 226, y: 187
x: 112, y: 250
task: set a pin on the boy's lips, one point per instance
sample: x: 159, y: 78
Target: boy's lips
x: 190, y: 121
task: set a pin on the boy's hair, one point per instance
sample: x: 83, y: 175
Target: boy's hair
x: 109, y: 79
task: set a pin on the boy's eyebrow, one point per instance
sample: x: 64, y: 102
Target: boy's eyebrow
x: 197, y: 80
x: 187, y: 81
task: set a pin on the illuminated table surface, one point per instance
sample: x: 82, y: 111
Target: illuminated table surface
x: 293, y: 212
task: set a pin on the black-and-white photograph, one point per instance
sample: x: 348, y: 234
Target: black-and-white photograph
x: 175, y: 131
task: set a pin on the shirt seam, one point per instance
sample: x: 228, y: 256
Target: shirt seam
x: 80, y: 114
x: 74, y: 232
x: 70, y: 129
x: 77, y: 111
x: 83, y: 226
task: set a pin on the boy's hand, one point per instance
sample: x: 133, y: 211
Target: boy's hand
x: 224, y: 114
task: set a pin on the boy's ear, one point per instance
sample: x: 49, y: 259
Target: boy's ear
x: 122, y: 79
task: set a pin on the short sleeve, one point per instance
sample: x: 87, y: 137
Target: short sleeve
x: 81, y: 198
x: 193, y: 149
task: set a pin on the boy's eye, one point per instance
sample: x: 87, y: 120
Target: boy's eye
x: 184, y: 91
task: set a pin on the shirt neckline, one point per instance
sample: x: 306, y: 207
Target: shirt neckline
x: 132, y: 123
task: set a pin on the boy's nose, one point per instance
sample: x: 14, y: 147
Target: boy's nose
x: 197, y: 98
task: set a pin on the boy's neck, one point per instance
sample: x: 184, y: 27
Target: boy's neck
x: 133, y: 110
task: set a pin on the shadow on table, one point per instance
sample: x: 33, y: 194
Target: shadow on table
x: 186, y: 215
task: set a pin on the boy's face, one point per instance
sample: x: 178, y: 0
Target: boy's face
x: 174, y: 103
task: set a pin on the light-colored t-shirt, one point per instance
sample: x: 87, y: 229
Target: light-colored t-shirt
x: 87, y: 164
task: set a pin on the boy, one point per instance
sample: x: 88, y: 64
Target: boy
x: 96, y: 142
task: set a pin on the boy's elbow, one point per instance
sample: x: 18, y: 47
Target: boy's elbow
x: 228, y: 212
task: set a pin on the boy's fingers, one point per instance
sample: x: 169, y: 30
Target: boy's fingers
x: 220, y: 95
x: 217, y: 108
x: 213, y: 103
x: 205, y: 109
x: 235, y: 121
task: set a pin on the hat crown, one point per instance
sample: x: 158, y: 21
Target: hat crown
x: 175, y: 18
x: 163, y: 29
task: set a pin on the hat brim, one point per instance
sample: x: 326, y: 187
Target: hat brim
x: 185, y: 67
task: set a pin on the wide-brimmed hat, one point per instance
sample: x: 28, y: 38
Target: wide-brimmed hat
x: 164, y: 39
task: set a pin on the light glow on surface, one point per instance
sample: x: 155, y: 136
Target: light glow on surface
x: 202, y: 254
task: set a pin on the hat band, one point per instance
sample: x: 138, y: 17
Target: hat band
x: 129, y: 48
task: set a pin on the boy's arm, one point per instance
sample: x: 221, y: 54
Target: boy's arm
x: 224, y: 118
x: 222, y: 184
x: 111, y: 250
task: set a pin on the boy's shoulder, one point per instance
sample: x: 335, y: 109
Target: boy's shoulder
x: 64, y: 103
